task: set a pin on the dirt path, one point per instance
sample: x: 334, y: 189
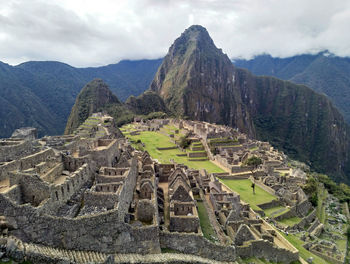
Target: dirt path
x: 164, y: 186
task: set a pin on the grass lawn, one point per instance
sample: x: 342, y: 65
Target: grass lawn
x: 206, y: 227
x: 321, y: 208
x: 290, y: 221
x: 152, y: 140
x: 305, y: 254
x: 243, y: 187
x: 270, y: 211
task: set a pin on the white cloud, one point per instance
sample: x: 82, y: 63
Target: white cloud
x: 90, y: 32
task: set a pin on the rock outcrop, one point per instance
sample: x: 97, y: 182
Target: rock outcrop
x: 27, y: 133
x: 146, y: 103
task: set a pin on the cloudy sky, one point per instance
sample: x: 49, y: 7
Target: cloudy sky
x: 99, y: 32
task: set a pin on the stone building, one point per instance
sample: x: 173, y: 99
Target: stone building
x: 183, y: 211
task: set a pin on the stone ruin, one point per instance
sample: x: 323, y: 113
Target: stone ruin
x: 91, y: 194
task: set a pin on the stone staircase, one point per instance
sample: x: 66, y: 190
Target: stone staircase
x: 162, y: 258
x: 45, y: 254
x: 62, y: 254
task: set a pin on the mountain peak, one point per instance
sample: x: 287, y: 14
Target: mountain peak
x: 196, y: 81
x: 193, y: 38
x: 196, y: 31
x: 94, y: 96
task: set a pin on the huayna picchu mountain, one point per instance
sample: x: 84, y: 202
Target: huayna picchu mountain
x: 198, y: 81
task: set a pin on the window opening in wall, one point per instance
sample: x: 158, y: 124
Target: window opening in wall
x: 56, y: 195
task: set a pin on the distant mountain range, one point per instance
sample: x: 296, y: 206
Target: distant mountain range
x: 41, y: 94
x: 324, y: 72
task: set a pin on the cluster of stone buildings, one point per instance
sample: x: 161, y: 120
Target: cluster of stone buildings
x: 91, y: 191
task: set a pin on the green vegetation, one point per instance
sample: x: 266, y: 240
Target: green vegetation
x: 95, y: 97
x: 321, y: 208
x: 206, y: 227
x: 325, y: 74
x: 152, y: 140
x: 347, y: 257
x: 243, y: 187
x: 290, y: 221
x: 253, y: 162
x: 184, y: 142
x: 41, y: 93
x: 169, y: 250
x: 272, y: 210
x: 305, y: 254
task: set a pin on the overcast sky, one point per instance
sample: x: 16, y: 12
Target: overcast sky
x: 99, y: 32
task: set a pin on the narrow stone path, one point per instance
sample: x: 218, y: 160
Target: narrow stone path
x: 214, y: 223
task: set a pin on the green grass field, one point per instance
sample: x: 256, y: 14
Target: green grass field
x: 290, y: 221
x: 243, y: 187
x: 272, y: 210
x: 321, y: 208
x: 152, y: 140
x: 305, y: 254
x: 206, y: 227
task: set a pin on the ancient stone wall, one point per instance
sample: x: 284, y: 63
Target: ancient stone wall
x: 80, y: 233
x: 12, y: 150
x: 33, y: 189
x: 25, y: 163
x: 184, y: 223
x: 273, y: 203
x: 126, y: 194
x: 305, y: 221
x: 267, y: 250
x: 14, y: 193
x: 107, y: 155
x: 196, y: 244
x: 100, y: 199
x: 300, y: 210
x: 74, y: 163
x: 265, y: 187
x: 197, y: 154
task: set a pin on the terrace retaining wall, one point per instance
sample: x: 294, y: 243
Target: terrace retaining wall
x: 196, y: 244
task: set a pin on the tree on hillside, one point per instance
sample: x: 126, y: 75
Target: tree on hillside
x: 253, y: 162
x: 184, y: 142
